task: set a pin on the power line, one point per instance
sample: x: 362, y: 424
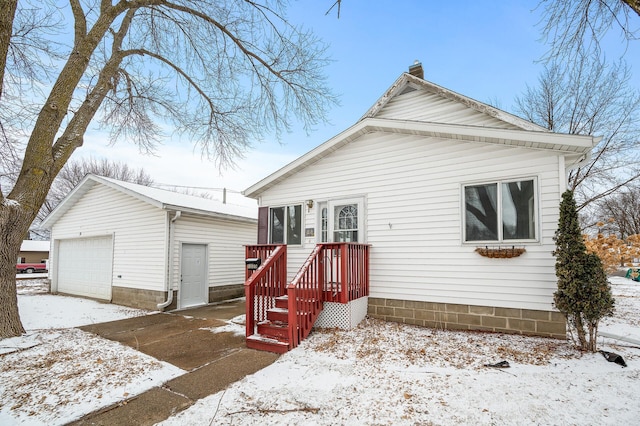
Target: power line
x: 206, y: 188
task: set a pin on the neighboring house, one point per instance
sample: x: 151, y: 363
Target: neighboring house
x: 33, y: 251
x: 128, y: 244
x: 458, y: 200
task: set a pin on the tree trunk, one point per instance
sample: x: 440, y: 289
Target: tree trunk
x: 7, y: 14
x: 582, y: 338
x: 14, y: 224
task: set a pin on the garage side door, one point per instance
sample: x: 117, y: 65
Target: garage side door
x: 85, y: 267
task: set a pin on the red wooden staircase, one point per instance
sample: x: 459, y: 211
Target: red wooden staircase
x: 273, y: 333
x: 280, y: 316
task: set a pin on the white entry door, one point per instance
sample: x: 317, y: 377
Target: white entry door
x: 193, y: 275
x: 345, y: 221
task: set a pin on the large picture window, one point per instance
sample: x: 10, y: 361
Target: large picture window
x: 285, y: 225
x: 500, y: 211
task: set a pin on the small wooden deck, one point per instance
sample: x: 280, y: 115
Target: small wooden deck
x: 280, y: 314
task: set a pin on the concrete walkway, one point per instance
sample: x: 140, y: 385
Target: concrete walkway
x: 213, y: 360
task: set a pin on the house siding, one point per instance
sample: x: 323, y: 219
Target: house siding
x: 225, y: 240
x: 138, y: 229
x: 33, y: 256
x: 412, y: 187
x: 421, y: 105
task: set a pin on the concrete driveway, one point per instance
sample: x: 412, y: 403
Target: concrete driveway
x: 181, y: 338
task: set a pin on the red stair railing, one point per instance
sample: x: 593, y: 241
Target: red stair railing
x: 333, y: 272
x: 305, y: 297
x: 265, y: 283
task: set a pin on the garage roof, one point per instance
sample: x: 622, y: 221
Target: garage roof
x: 161, y: 198
x: 32, y: 245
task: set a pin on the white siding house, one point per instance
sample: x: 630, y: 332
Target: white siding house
x: 129, y: 244
x: 427, y: 177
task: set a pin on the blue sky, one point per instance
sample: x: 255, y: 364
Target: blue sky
x: 487, y: 50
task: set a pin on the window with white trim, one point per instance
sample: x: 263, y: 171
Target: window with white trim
x: 285, y: 224
x: 502, y: 211
x: 324, y: 222
x: 345, y: 227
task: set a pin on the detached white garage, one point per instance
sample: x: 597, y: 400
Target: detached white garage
x: 146, y: 247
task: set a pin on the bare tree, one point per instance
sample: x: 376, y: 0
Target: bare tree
x: 571, y: 27
x: 621, y: 213
x: 74, y: 171
x: 223, y: 74
x: 591, y: 98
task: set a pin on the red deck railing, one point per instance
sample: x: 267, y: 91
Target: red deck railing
x: 346, y: 271
x: 333, y: 272
x: 265, y: 283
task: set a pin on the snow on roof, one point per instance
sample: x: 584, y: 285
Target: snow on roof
x: 31, y: 245
x: 174, y: 200
x: 161, y: 198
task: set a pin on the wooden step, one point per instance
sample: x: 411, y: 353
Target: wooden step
x: 276, y: 330
x: 278, y: 314
x: 282, y: 302
x: 262, y: 343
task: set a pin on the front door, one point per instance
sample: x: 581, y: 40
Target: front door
x: 193, y: 275
x: 342, y: 221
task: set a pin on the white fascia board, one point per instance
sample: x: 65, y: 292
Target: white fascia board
x: 208, y: 213
x: 543, y: 140
x: 67, y: 202
x: 310, y: 157
x: 568, y: 144
x: 111, y: 184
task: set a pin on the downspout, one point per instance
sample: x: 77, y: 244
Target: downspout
x: 162, y: 306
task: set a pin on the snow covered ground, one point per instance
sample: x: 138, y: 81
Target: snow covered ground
x: 391, y: 374
x: 377, y: 374
x: 55, y: 373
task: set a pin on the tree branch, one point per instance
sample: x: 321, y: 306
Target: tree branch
x: 237, y: 41
x: 79, y: 21
x: 72, y: 137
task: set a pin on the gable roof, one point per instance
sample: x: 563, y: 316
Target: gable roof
x: 514, y: 132
x: 161, y: 198
x: 407, y: 83
x: 33, y: 245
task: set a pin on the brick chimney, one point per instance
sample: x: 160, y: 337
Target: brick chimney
x: 416, y: 69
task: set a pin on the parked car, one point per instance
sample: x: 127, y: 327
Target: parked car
x: 30, y: 268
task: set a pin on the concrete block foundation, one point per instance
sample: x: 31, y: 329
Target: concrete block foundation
x: 469, y: 317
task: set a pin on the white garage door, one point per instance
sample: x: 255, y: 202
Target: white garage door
x: 84, y: 267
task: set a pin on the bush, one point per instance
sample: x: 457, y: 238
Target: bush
x: 584, y: 293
